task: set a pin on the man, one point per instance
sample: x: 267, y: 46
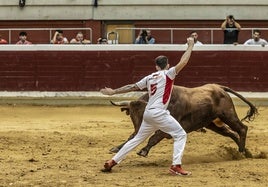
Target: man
x: 194, y: 35
x: 231, y: 30
x: 23, y: 37
x: 256, y: 39
x: 58, y: 38
x: 156, y: 116
x: 79, y: 39
x: 145, y: 37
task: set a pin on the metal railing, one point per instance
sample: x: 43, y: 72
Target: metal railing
x: 172, y: 30
x: 50, y: 30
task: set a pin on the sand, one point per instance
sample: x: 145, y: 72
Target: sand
x: 67, y: 146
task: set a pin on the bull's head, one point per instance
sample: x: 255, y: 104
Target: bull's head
x: 123, y: 104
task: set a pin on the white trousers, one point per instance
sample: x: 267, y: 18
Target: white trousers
x: 154, y: 119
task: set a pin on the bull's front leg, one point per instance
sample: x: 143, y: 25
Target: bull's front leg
x: 153, y: 140
x: 117, y: 148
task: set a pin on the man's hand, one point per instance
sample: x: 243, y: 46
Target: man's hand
x: 190, y: 41
x: 107, y: 91
x: 186, y: 55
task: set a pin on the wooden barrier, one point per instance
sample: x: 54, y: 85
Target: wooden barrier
x: 91, y: 67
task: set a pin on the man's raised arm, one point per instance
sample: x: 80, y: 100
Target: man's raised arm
x: 123, y: 89
x: 186, y: 56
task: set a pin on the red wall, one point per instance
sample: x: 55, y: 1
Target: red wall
x: 91, y: 69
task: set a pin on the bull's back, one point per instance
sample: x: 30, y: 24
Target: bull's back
x: 208, y: 93
x: 201, y: 102
x: 193, y: 96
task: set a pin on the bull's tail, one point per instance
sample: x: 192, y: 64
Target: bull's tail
x: 251, y: 112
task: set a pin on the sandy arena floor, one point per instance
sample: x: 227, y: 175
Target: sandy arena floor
x: 67, y: 146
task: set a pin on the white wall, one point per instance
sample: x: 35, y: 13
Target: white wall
x: 46, y: 10
x: 134, y: 10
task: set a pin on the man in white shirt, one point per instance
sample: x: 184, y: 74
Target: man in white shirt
x: 156, y: 116
x: 194, y: 35
x: 256, y: 39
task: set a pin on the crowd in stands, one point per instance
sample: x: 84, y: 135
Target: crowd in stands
x: 231, y: 29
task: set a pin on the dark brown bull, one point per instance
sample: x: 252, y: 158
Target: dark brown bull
x: 208, y: 106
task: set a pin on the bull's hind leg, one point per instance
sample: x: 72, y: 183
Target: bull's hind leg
x: 221, y: 128
x: 231, y: 119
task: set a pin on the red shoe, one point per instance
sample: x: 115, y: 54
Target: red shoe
x: 177, y: 170
x: 108, y: 166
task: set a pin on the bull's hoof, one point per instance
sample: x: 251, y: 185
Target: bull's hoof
x: 247, y: 153
x: 142, y: 153
x: 114, y: 150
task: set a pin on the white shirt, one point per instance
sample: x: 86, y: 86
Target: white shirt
x: 196, y: 43
x: 159, y: 86
x: 253, y: 42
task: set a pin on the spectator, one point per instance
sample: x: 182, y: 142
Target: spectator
x: 102, y: 41
x: 145, y: 37
x: 79, y: 39
x: 150, y: 39
x: 256, y: 39
x: 58, y: 38
x: 231, y: 30
x: 23, y: 37
x: 194, y: 35
x: 2, y: 41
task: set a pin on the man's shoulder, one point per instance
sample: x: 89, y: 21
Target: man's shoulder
x: 263, y: 40
x: 198, y: 43
x: 249, y: 41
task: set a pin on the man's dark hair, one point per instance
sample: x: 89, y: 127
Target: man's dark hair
x: 231, y: 17
x: 193, y: 32
x: 144, y: 33
x: 60, y: 31
x: 23, y: 33
x: 161, y: 61
x: 102, y: 40
x: 257, y: 30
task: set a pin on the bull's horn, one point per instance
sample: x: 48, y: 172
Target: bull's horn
x: 120, y: 103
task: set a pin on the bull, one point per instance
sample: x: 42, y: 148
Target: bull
x: 208, y: 106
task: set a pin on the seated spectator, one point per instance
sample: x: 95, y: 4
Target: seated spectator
x: 102, y: 41
x: 256, y: 39
x: 58, y: 38
x: 2, y: 41
x: 145, y: 37
x: 79, y: 39
x: 194, y: 35
x: 23, y: 37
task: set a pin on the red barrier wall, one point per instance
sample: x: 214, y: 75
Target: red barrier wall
x: 89, y: 68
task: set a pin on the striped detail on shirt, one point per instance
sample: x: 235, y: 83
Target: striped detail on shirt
x: 168, y: 88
